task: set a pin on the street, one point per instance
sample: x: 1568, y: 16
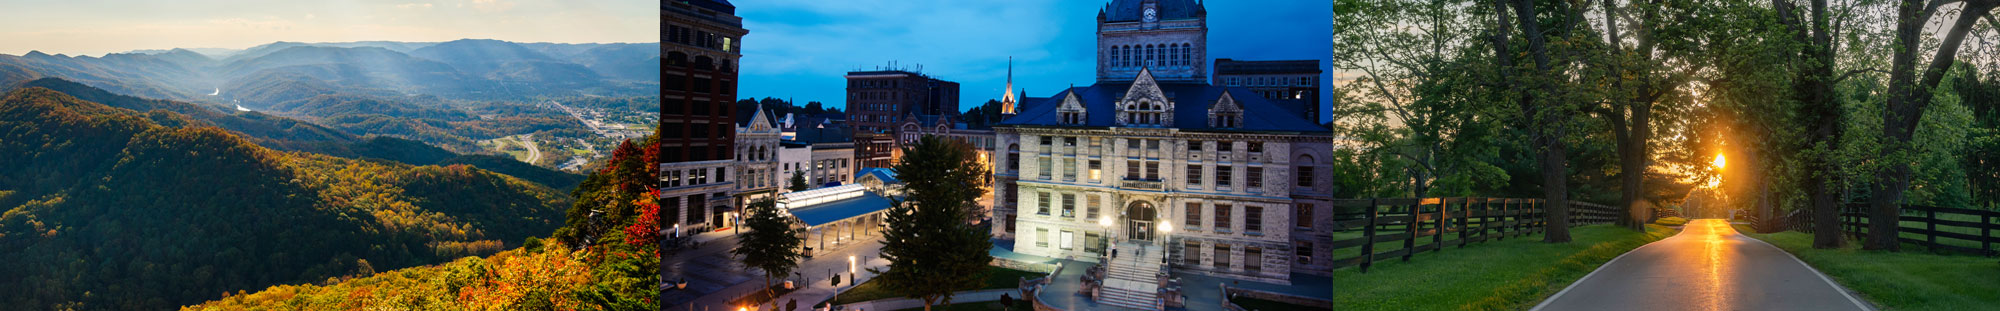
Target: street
x: 1708, y: 266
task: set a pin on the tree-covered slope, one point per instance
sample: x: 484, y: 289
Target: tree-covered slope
x: 605, y: 258
x: 289, y: 134
x: 107, y: 210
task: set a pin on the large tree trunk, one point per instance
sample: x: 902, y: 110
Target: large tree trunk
x: 1908, y: 97
x: 1814, y: 89
x: 1555, y: 184
x: 1631, y: 123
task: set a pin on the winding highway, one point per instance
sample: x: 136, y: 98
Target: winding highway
x: 1708, y: 266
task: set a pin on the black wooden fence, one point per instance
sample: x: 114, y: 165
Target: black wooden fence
x: 1432, y: 224
x: 1960, y: 230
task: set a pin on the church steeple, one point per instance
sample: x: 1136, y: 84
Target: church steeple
x: 1007, y: 100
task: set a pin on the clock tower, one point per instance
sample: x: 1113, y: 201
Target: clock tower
x: 1167, y: 38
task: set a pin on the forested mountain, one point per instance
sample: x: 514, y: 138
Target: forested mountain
x: 106, y: 209
x: 605, y: 258
x: 294, y: 135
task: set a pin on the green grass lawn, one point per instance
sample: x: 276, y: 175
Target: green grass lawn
x: 1909, y: 280
x: 1254, y: 304
x: 996, y: 278
x: 1504, y: 275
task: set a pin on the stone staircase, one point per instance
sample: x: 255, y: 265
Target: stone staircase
x: 1133, y: 279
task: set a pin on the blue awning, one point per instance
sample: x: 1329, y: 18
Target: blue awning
x: 823, y: 213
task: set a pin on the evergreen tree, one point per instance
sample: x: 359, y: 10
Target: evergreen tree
x: 931, y: 248
x: 798, y: 181
x: 772, y: 244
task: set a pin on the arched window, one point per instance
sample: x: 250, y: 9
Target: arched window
x: 1188, y: 50
x: 677, y: 59
x: 1173, y: 56
x: 1147, y: 58
x: 1125, y: 59
x: 1117, y: 50
x: 1013, y: 157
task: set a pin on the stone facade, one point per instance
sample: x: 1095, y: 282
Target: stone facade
x: 831, y: 163
x: 1229, y: 183
x: 1171, y: 41
x: 1058, y: 189
x: 757, y: 160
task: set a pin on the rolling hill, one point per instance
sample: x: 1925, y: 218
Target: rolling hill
x: 106, y: 209
x: 289, y: 134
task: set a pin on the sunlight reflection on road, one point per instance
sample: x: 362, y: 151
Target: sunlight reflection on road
x: 1711, y: 232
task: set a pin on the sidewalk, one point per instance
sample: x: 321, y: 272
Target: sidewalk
x: 957, y: 297
x: 817, y: 270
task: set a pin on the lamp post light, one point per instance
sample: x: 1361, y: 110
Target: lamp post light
x: 1104, y: 222
x: 1166, y: 228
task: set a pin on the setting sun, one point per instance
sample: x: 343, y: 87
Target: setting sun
x: 1719, y: 162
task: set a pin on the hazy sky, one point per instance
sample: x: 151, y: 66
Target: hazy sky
x: 96, y: 27
x: 801, y: 48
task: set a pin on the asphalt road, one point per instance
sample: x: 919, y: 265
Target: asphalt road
x: 1708, y: 266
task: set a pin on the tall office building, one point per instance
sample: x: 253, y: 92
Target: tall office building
x: 700, y: 42
x: 1291, y: 83
x: 878, y: 101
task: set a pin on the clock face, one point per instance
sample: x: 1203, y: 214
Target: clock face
x: 1151, y: 15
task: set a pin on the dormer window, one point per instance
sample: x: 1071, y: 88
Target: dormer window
x: 1145, y: 104
x: 1071, y: 111
x: 1225, y: 113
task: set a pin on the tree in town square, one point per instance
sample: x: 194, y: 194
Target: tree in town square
x: 798, y: 181
x: 932, y: 250
x: 771, y: 244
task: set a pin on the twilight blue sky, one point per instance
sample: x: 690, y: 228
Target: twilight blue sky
x: 801, y: 48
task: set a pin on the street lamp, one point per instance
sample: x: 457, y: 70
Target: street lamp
x: 850, y: 264
x: 1105, y: 223
x: 1166, y: 227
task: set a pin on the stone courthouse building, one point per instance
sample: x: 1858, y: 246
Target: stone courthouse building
x: 1152, y: 156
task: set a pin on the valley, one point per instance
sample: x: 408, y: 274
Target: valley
x: 465, y: 96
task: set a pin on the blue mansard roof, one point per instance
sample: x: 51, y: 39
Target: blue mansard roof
x: 1191, y: 103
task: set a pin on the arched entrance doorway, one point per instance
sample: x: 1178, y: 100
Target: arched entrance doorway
x: 1139, y: 217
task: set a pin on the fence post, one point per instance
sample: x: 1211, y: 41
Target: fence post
x: 1506, y: 211
x: 1986, y: 233
x: 1485, y: 218
x: 1443, y: 220
x: 1410, y: 228
x: 1465, y: 213
x: 1929, y: 224
x: 1368, y: 245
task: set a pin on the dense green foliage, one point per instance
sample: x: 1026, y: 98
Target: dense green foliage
x: 930, y: 243
x: 108, y: 210
x: 777, y: 108
x: 605, y: 258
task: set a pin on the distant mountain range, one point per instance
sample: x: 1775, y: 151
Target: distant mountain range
x: 270, y: 74
x: 282, y: 133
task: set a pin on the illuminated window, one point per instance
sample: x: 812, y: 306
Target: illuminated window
x: 1069, y: 205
